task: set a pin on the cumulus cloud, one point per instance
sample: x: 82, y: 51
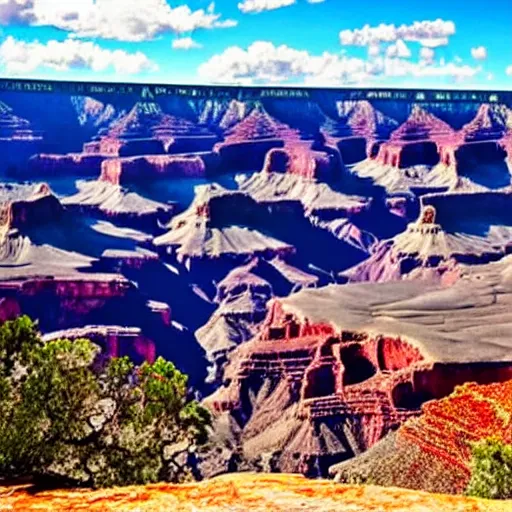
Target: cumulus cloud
x: 124, y: 20
x: 17, y: 57
x: 479, y: 53
x: 16, y: 11
x: 451, y: 70
x: 373, y: 50
x: 185, y: 43
x: 428, y: 33
x: 427, y: 54
x: 509, y: 71
x: 263, y: 62
x: 399, y: 49
x: 256, y: 6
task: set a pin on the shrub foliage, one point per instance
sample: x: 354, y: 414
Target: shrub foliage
x: 62, y: 416
x: 491, y: 470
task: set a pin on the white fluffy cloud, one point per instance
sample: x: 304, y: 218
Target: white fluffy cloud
x: 407, y: 68
x: 509, y: 71
x: 264, y: 62
x: 17, y: 57
x: 185, y: 43
x: 479, y: 53
x: 428, y: 33
x: 398, y: 49
x: 256, y: 6
x: 125, y: 20
x: 427, y: 54
x: 373, y: 50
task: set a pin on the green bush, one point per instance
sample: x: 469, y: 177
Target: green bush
x: 491, y: 470
x: 61, y: 417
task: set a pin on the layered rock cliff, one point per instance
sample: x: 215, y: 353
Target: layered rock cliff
x: 23, y: 206
x: 433, y: 452
x: 146, y: 129
x: 137, y: 169
x: 246, y: 144
x: 205, y: 229
x: 117, y: 202
x: 242, y: 297
x: 426, y: 152
x: 333, y: 371
x: 357, y: 131
x: 425, y: 250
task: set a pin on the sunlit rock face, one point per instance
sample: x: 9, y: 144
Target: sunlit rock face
x: 317, y: 199
x: 94, y: 114
x: 426, y: 152
x: 247, y: 142
x: 333, y: 371
x: 438, y: 441
x: 357, y: 130
x: 146, y: 129
x: 425, y: 250
x: 23, y: 206
x: 203, y: 232
x: 242, y: 298
x: 302, y: 161
x: 116, y: 202
x: 246, y: 491
x: 490, y: 123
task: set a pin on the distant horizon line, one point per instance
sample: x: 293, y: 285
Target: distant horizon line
x: 295, y: 91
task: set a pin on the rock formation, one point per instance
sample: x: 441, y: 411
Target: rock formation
x: 246, y: 144
x: 120, y: 171
x: 333, y: 371
x: 506, y: 144
x: 75, y: 164
x: 201, y: 232
x: 143, y: 140
x: 433, y: 452
x: 224, y: 114
x: 242, y: 297
x: 425, y: 250
x: 114, y: 340
x: 93, y: 113
x: 317, y: 199
x: 117, y: 202
x: 23, y: 206
x: 146, y: 129
x: 246, y: 491
x: 302, y: 161
x: 427, y: 153
x: 358, y: 130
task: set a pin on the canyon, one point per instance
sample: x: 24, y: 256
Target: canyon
x: 325, y: 271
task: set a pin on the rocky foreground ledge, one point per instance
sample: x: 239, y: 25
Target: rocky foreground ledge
x: 243, y: 493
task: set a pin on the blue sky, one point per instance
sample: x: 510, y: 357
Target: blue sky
x: 441, y: 43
